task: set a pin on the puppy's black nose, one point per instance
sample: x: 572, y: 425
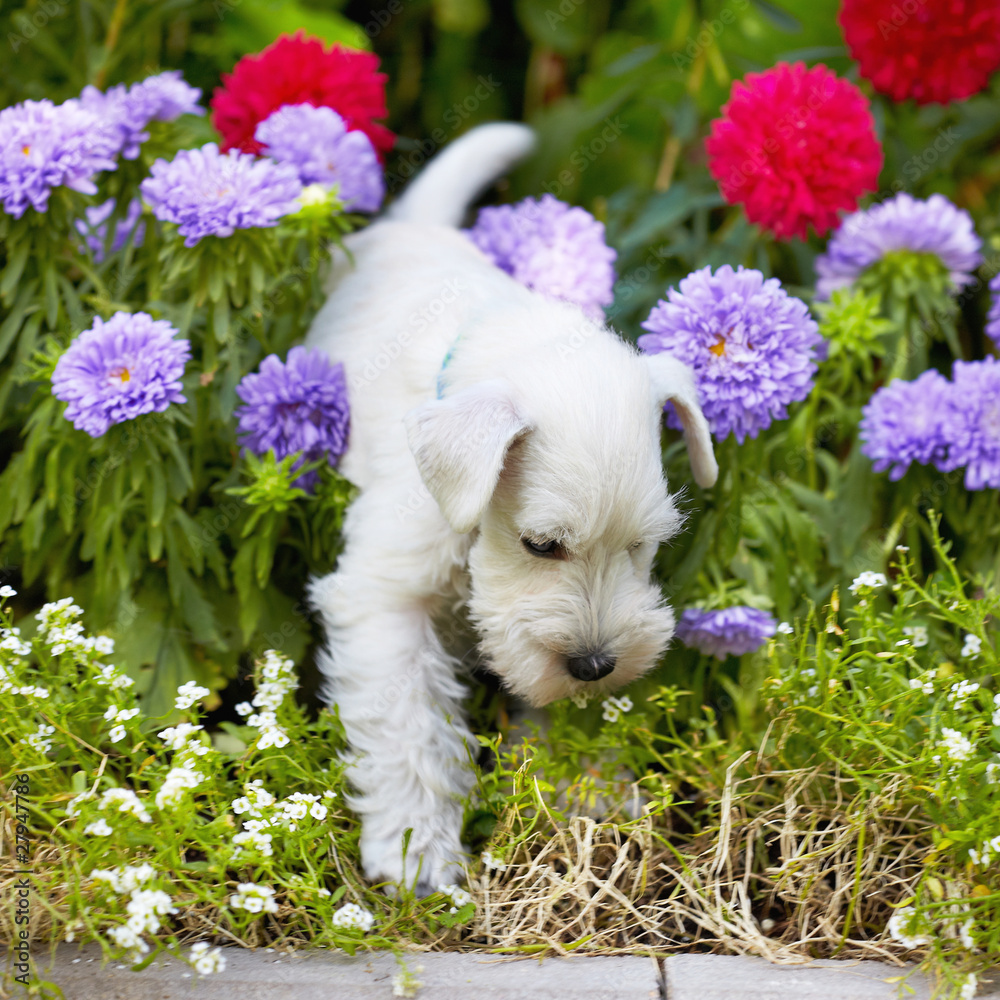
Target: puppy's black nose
x: 591, y: 667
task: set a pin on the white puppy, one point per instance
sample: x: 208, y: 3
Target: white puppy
x: 507, y: 451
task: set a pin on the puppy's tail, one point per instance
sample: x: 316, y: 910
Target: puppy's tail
x: 455, y: 177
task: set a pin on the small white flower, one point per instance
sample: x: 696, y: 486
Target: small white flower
x: 39, y: 739
x: 961, y: 691
x: 918, y: 634
x: 260, y: 842
x: 785, y: 629
x: 353, y: 917
x: 175, y: 737
x: 491, y: 863
x: 104, y: 645
x: 188, y: 694
x: 126, y: 936
x: 615, y: 707
x: 126, y: 878
x: 127, y: 802
x: 972, y: 647
x: 993, y: 773
x: 254, y: 898
x: 580, y: 699
x: 965, y: 935
x: 323, y: 892
x: 99, y: 828
x: 405, y: 984
x: 905, y: 928
x: 273, y: 736
x: 69, y: 931
x: 7, y: 591
x: 177, y: 782
x: 117, y: 734
x: 956, y: 747
x: 868, y: 580
x: 207, y: 960
x: 969, y: 987
x: 459, y: 896
x: 244, y: 708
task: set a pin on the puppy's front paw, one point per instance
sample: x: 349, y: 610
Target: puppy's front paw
x: 431, y: 860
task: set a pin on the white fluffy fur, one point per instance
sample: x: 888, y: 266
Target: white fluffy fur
x: 549, y: 428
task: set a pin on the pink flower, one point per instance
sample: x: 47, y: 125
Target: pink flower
x: 796, y: 147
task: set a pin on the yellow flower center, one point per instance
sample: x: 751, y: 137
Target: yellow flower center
x: 26, y: 150
x: 720, y: 348
x: 120, y: 373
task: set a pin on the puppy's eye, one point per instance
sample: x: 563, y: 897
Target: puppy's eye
x: 635, y: 546
x: 549, y: 549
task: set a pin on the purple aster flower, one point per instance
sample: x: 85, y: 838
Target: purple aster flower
x: 118, y: 370
x: 316, y: 142
x: 993, y: 318
x: 127, y: 111
x: 904, y: 422
x: 94, y: 228
x: 933, y: 226
x: 727, y: 632
x: 552, y: 247
x: 45, y: 146
x: 298, y: 406
x: 208, y: 193
x: 972, y: 423
x: 752, y: 346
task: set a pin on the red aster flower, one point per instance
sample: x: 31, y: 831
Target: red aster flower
x: 934, y: 51
x: 796, y: 147
x: 301, y: 70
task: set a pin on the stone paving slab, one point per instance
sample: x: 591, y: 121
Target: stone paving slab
x: 319, y: 975
x: 735, y: 977
x: 263, y: 975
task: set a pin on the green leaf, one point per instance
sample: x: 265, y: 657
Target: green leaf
x: 50, y: 285
x: 14, y: 268
x: 20, y: 311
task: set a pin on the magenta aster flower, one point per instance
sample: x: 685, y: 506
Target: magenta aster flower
x: 934, y: 226
x: 94, y: 227
x: 127, y: 111
x: 752, y: 346
x: 796, y: 146
x: 972, y: 423
x: 317, y: 143
x: 726, y: 632
x: 904, y: 422
x: 298, y: 406
x: 45, y: 146
x: 118, y: 370
x: 208, y: 193
x: 552, y: 247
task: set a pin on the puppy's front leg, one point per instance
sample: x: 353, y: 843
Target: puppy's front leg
x: 400, y: 703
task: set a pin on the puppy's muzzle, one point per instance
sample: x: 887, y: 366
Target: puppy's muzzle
x: 591, y: 667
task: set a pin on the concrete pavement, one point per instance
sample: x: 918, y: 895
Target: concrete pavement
x: 318, y: 975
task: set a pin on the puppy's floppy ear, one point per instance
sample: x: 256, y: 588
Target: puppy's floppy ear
x: 460, y: 443
x: 673, y: 382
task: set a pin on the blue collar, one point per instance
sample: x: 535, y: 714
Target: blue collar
x: 444, y: 365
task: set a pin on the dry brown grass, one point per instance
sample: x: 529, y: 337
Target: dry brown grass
x: 789, y: 873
